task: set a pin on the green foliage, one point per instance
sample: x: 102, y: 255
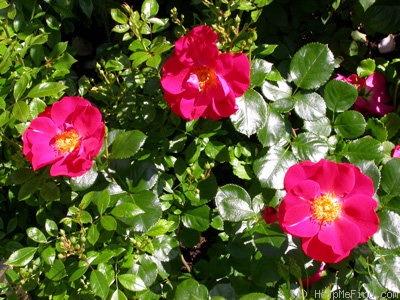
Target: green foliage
x: 171, y: 208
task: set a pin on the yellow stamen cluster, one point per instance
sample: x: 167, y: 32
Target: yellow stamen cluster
x: 67, y: 141
x: 326, y: 208
x: 206, y: 76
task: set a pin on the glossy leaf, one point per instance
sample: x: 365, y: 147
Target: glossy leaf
x: 21, y: 111
x: 126, y: 211
x: 312, y: 66
x: 197, y: 218
x: 118, y: 16
x: 309, y: 106
x: 233, y: 203
x: 388, y: 235
x: 308, y: 146
x: 320, y: 127
x: 274, y: 129
x: 363, y: 149
x: 251, y: 114
x: 339, y: 95
x: 391, y: 177
x: 191, y: 289
x: 36, y: 235
x: 57, y: 271
x: 132, y: 282
x: 259, y: 69
x: 20, y: 86
x: 350, y: 124
x: 271, y: 168
x: 127, y: 144
x: 21, y: 257
x: 387, y: 270
x: 46, y: 89
x: 149, y: 8
x: 99, y: 284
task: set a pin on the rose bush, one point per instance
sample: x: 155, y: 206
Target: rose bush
x: 199, y: 149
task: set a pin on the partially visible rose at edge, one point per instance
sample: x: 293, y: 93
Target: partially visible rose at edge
x: 373, y: 95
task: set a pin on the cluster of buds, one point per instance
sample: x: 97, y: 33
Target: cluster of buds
x: 69, y: 246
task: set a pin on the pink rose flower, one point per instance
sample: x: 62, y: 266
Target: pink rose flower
x: 199, y: 81
x: 396, y: 152
x: 270, y: 215
x: 67, y: 135
x: 373, y: 95
x: 330, y: 207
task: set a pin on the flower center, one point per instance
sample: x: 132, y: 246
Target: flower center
x: 67, y: 141
x: 205, y: 76
x: 326, y: 208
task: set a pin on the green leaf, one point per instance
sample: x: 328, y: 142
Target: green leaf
x: 50, y: 191
x: 391, y: 177
x: 149, y: 8
x: 150, y: 211
x: 198, y: 218
x: 255, y: 296
x: 320, y: 127
x: 271, y: 168
x: 312, y: 66
x: 309, y: 106
x: 370, y: 169
x: 45, y: 89
x: 259, y: 69
x: 132, y: 282
x: 392, y: 123
x: 93, y: 233
x: 87, y: 7
x: 377, y: 129
x: 350, y: 124
x: 233, y: 203
x: 102, y: 201
x: 36, y: 235
x: 308, y: 146
x: 363, y: 149
x: 51, y: 227
x: 118, y: 16
x: 382, y: 18
x: 20, y: 86
x: 388, y: 235
x: 99, y: 284
x: 126, y: 211
x: 48, y: 255
x: 252, y: 113
x: 108, y: 223
x: 127, y: 144
x: 366, y: 67
x: 274, y: 129
x: 387, y: 270
x: 160, y: 228
x: 36, y: 107
x: 57, y: 271
x: 339, y: 95
x: 21, y: 257
x: 279, y: 90
x: 21, y: 111
x: 190, y: 289
x: 118, y: 295
x: 147, y: 270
